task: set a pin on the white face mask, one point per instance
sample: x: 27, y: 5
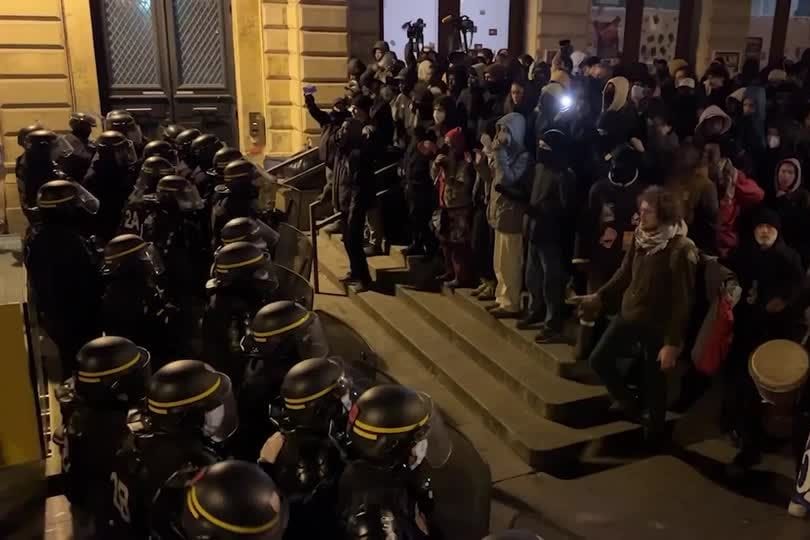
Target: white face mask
x: 774, y: 141
x: 439, y: 117
x: 213, y: 421
x: 637, y: 93
x: 419, y: 451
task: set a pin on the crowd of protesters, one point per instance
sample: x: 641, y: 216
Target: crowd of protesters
x: 643, y: 195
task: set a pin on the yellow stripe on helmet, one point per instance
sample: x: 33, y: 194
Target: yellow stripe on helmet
x: 391, y: 430
x: 262, y: 336
x: 197, y: 510
x: 57, y: 201
x: 188, y: 401
x: 313, y: 397
x: 239, y: 264
x: 126, y: 252
x: 93, y: 376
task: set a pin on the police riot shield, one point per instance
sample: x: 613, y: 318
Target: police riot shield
x: 294, y: 287
x: 293, y: 250
x: 295, y: 165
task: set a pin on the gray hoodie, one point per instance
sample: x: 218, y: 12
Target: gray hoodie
x: 511, y: 165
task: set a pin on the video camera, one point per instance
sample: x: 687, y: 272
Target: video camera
x: 416, y: 32
x: 465, y: 28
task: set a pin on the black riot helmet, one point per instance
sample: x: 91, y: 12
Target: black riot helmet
x: 170, y: 132
x: 224, y: 156
x: 82, y: 124
x: 183, y: 142
x: 160, y: 148
x: 176, y: 192
x: 243, y: 262
x: 392, y: 425
x: 284, y: 327
x: 239, y: 172
x: 27, y: 130
x: 190, y: 396
x: 316, y: 392
x: 153, y: 169
x: 124, y: 123
x: 112, y: 370
x: 203, y: 149
x: 114, y: 147
x: 40, y: 143
x: 245, y: 229
x: 234, y: 500
x: 624, y: 164
x: 129, y: 253
x: 64, y: 196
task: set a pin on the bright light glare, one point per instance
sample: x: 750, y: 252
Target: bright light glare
x: 566, y: 101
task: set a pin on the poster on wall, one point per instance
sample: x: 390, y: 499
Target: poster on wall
x: 606, y: 36
x: 730, y: 58
x: 659, y: 32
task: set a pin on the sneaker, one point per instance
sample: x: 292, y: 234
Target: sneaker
x: 488, y: 295
x: 501, y: 313
x: 481, y: 288
x: 797, y: 510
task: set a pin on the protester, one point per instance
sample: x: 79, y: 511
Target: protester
x: 737, y: 193
x: 792, y: 203
x: 698, y: 195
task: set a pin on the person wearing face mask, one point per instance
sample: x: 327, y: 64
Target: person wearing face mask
x: 654, y: 287
x: 770, y: 274
x: 188, y: 418
x: 738, y: 193
x: 715, y: 88
x: 453, y: 176
x: 82, y: 148
x: 111, y: 179
x: 505, y: 211
x: 444, y: 117
x: 394, y: 436
x: 550, y: 231
x: 605, y: 232
x: 791, y: 201
x: 302, y: 457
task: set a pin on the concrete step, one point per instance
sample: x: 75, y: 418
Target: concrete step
x: 557, y: 358
x: 540, y: 442
x: 561, y: 400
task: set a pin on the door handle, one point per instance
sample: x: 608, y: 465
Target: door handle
x: 204, y: 109
x: 140, y: 109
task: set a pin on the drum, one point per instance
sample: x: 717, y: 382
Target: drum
x: 779, y: 369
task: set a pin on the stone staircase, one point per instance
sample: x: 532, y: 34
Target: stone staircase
x: 528, y: 395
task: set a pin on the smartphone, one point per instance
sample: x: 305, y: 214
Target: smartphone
x: 310, y: 89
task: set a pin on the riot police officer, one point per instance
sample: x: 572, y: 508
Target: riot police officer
x: 244, y: 229
x: 203, y: 149
x: 243, y: 281
x: 237, y: 197
x: 391, y: 430
x: 38, y: 166
x: 111, y: 178
x: 169, y: 133
x: 180, y: 233
x: 141, y: 206
x: 224, y: 156
x: 123, y: 122
x: 185, y: 159
x: 301, y: 457
x: 160, y: 148
x: 110, y: 379
x: 21, y: 135
x: 82, y: 148
x: 190, y: 414
x: 134, y: 304
x: 62, y: 264
x: 232, y: 500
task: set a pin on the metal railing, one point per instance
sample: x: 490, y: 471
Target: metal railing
x: 315, y: 225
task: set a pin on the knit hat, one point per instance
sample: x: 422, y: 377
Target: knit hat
x: 766, y: 216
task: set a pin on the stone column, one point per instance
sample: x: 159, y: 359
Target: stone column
x: 305, y: 42
x: 723, y: 27
x: 549, y: 21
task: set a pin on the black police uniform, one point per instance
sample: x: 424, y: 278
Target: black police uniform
x: 82, y: 148
x: 379, y: 486
x: 36, y: 167
x: 179, y: 232
x: 134, y: 304
x: 141, y: 206
x: 185, y: 159
x: 243, y: 281
x: 63, y: 269
x: 203, y: 149
x: 175, y: 437
x: 308, y: 464
x: 110, y: 179
x: 111, y: 378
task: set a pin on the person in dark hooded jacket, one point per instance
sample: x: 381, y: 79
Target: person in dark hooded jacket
x: 770, y: 274
x: 494, y: 97
x: 551, y: 228
x: 684, y: 108
x: 419, y: 191
x: 792, y: 203
x: 330, y: 122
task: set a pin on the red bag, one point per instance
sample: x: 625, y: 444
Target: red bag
x: 714, y: 339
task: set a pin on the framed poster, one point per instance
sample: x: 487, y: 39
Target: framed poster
x: 730, y: 58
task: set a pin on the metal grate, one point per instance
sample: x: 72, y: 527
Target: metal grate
x: 200, y: 44
x: 131, y: 42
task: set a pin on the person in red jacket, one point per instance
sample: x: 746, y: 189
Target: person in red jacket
x: 737, y: 193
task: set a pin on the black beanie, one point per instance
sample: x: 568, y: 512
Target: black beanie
x: 766, y: 216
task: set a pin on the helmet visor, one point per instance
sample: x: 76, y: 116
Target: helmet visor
x: 439, y: 443
x: 62, y: 149
x: 86, y: 200
x: 222, y: 421
x: 188, y: 199
x: 307, y: 341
